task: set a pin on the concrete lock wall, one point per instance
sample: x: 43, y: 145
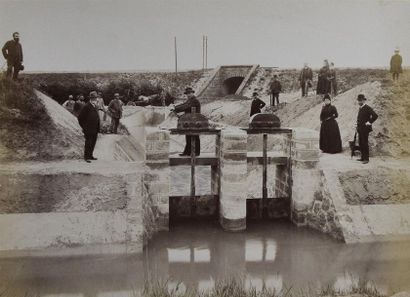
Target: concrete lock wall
x: 51, y: 212
x: 157, y: 179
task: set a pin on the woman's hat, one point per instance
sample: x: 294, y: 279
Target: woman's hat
x: 361, y: 97
x: 189, y: 90
x: 255, y: 94
x: 327, y: 96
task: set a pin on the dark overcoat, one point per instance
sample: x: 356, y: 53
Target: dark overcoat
x: 188, y: 104
x: 330, y: 140
x: 13, y: 52
x: 256, y: 106
x: 395, y: 64
x: 89, y: 119
x: 366, y: 114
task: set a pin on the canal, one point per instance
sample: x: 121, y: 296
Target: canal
x: 197, y: 255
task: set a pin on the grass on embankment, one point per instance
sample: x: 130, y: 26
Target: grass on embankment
x: 236, y: 288
x: 27, y: 132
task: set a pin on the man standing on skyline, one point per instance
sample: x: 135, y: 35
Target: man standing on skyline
x: 305, y: 79
x: 13, y: 53
x: 395, y: 64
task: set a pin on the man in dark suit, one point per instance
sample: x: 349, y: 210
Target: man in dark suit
x: 275, y: 88
x: 305, y: 79
x: 89, y: 120
x: 365, y: 119
x: 257, y: 104
x: 186, y: 107
x: 396, y: 64
x: 13, y: 53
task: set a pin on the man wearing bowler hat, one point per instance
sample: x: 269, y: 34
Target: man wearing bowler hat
x: 89, y: 120
x: 365, y: 119
x: 186, y: 107
x: 257, y: 104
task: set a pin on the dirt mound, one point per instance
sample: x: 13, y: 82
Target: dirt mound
x: 35, y: 127
x: 391, y: 132
x: 305, y: 112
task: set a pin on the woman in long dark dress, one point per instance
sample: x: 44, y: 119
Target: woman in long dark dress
x: 330, y: 140
x: 323, y: 82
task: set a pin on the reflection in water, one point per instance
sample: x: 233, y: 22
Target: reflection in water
x: 272, y: 255
x: 345, y: 282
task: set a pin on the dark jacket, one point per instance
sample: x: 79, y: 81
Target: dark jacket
x: 395, y: 64
x: 306, y: 74
x: 256, y: 106
x: 187, y: 106
x: 89, y: 119
x: 328, y: 112
x: 366, y: 114
x: 275, y: 87
x: 13, y: 52
x: 115, y: 109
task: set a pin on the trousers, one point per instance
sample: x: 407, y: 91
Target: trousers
x: 90, y: 141
x: 364, y: 143
x: 188, y: 139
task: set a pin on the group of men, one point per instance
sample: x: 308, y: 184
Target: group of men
x: 90, y: 113
x: 89, y: 119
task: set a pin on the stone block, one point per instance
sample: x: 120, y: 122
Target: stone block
x: 304, y: 133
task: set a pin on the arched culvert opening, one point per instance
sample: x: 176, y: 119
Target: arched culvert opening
x: 231, y: 85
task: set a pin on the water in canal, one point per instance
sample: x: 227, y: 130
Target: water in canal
x: 277, y: 255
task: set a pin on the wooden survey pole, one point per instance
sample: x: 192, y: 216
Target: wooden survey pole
x: 176, y: 55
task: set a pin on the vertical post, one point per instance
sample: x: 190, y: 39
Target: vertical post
x: 192, y: 164
x: 176, y: 55
x: 263, y: 202
x: 206, y: 52
x: 193, y: 145
x: 265, y: 166
x: 203, y: 52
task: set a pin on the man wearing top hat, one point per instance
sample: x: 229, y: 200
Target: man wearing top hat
x: 395, y: 64
x: 187, y: 107
x: 365, y: 119
x: 89, y: 121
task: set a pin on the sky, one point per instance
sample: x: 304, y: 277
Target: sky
x: 122, y: 35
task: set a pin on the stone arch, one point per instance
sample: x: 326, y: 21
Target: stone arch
x: 231, y: 84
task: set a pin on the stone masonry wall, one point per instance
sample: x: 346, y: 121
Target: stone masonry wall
x: 312, y: 204
x: 233, y: 180
x: 215, y: 87
x: 156, y: 181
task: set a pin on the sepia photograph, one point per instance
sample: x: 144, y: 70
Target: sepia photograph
x: 205, y: 148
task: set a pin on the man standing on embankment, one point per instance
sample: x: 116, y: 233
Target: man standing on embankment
x: 395, y: 64
x: 89, y: 121
x: 365, y: 119
x: 13, y: 53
